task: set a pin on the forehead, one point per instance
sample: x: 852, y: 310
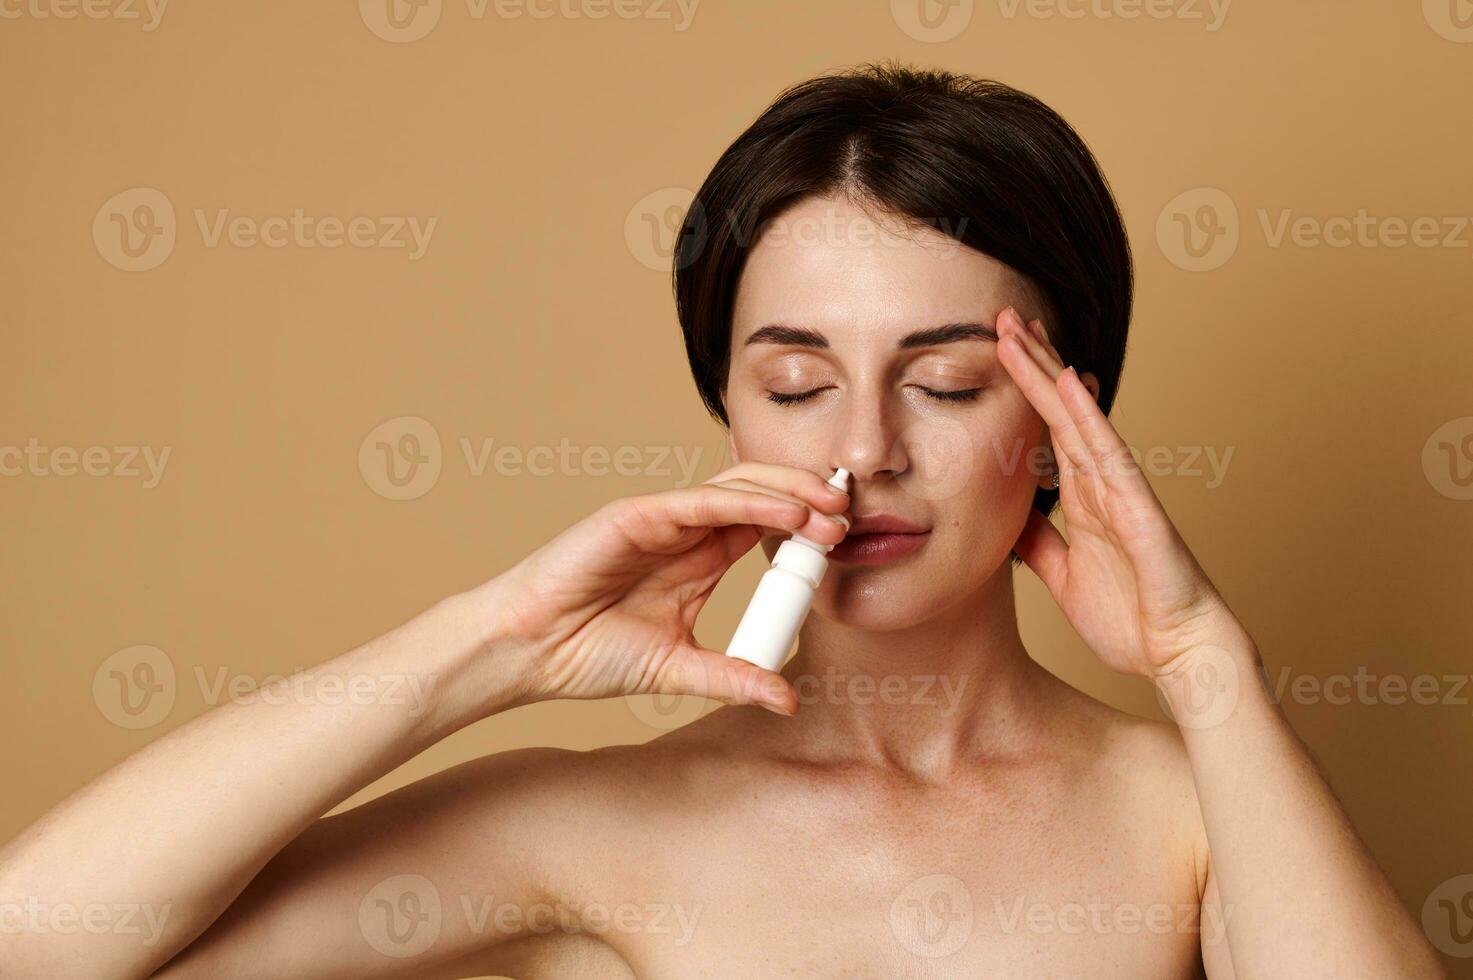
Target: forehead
x: 827, y: 264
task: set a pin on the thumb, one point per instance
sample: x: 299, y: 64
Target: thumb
x: 1044, y: 550
x: 730, y: 680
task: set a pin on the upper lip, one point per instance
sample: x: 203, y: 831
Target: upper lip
x: 883, y: 524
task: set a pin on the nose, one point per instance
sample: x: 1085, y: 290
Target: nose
x: 867, y: 443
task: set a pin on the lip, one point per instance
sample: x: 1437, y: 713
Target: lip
x: 879, y: 523
x: 878, y: 539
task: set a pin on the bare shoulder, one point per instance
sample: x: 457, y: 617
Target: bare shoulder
x: 574, y: 806
x: 1111, y: 737
x: 607, y: 773
x: 1140, y: 765
x: 1148, y: 749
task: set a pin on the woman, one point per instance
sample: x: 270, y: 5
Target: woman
x: 923, y: 279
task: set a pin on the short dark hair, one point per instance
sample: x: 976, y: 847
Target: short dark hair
x: 981, y: 161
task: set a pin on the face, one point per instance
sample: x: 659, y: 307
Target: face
x: 861, y: 343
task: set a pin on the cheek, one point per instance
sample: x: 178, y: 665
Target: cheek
x: 761, y: 437
x: 985, y: 458
x: 750, y: 439
x: 759, y: 444
x: 1012, y: 443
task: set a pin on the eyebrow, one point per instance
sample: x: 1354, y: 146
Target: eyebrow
x: 947, y: 333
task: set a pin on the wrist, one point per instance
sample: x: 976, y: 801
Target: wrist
x: 1207, y: 684
x: 486, y: 664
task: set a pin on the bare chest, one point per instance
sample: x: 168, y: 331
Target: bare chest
x: 864, y: 885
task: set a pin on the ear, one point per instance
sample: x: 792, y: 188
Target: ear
x: 1046, y: 480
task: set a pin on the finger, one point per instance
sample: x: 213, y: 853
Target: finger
x: 1039, y: 331
x: 731, y: 680
x: 1068, y: 439
x: 1093, y: 427
x: 821, y: 528
x: 792, y: 483
x: 1109, y: 451
x: 744, y: 484
x: 1016, y: 348
x: 799, y: 484
x: 1044, y: 550
x: 1043, y: 350
x: 820, y: 525
x: 663, y: 522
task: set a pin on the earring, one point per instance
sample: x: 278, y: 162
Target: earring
x: 1054, y: 483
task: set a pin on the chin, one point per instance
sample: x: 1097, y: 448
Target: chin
x: 879, y: 601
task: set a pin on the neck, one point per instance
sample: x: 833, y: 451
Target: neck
x: 922, y: 698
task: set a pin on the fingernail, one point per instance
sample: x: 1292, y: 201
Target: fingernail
x: 836, y: 491
x: 774, y: 709
x: 840, y: 520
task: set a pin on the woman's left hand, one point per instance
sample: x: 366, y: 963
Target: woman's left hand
x: 1125, y: 579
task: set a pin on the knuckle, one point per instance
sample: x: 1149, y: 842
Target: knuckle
x: 637, y: 516
x: 793, y: 512
x: 706, y: 509
x: 623, y: 510
x: 1119, y: 460
x: 726, y: 474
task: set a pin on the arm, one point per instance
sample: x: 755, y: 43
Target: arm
x: 179, y: 829
x: 1300, y: 895
x: 444, y: 871
x: 183, y: 829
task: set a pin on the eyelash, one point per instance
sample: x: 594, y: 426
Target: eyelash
x: 963, y: 395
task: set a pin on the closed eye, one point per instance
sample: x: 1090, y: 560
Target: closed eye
x: 793, y: 398
x: 785, y: 398
x: 961, y: 395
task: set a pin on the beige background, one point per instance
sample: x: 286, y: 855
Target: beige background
x: 550, y: 152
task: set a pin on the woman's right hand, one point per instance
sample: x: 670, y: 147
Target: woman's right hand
x: 608, y: 607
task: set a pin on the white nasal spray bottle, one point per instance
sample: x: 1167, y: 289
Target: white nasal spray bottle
x: 783, y: 597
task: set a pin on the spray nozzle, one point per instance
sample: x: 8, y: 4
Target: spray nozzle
x: 839, y: 481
